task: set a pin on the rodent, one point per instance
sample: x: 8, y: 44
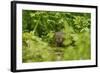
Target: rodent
x: 59, y: 38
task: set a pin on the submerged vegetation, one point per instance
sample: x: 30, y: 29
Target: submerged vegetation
x: 43, y: 40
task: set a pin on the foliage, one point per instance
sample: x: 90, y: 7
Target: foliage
x: 39, y: 28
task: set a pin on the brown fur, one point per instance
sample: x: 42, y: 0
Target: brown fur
x: 59, y: 38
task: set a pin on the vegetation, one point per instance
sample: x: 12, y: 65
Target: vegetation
x: 38, y: 36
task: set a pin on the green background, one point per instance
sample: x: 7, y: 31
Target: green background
x: 39, y: 28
